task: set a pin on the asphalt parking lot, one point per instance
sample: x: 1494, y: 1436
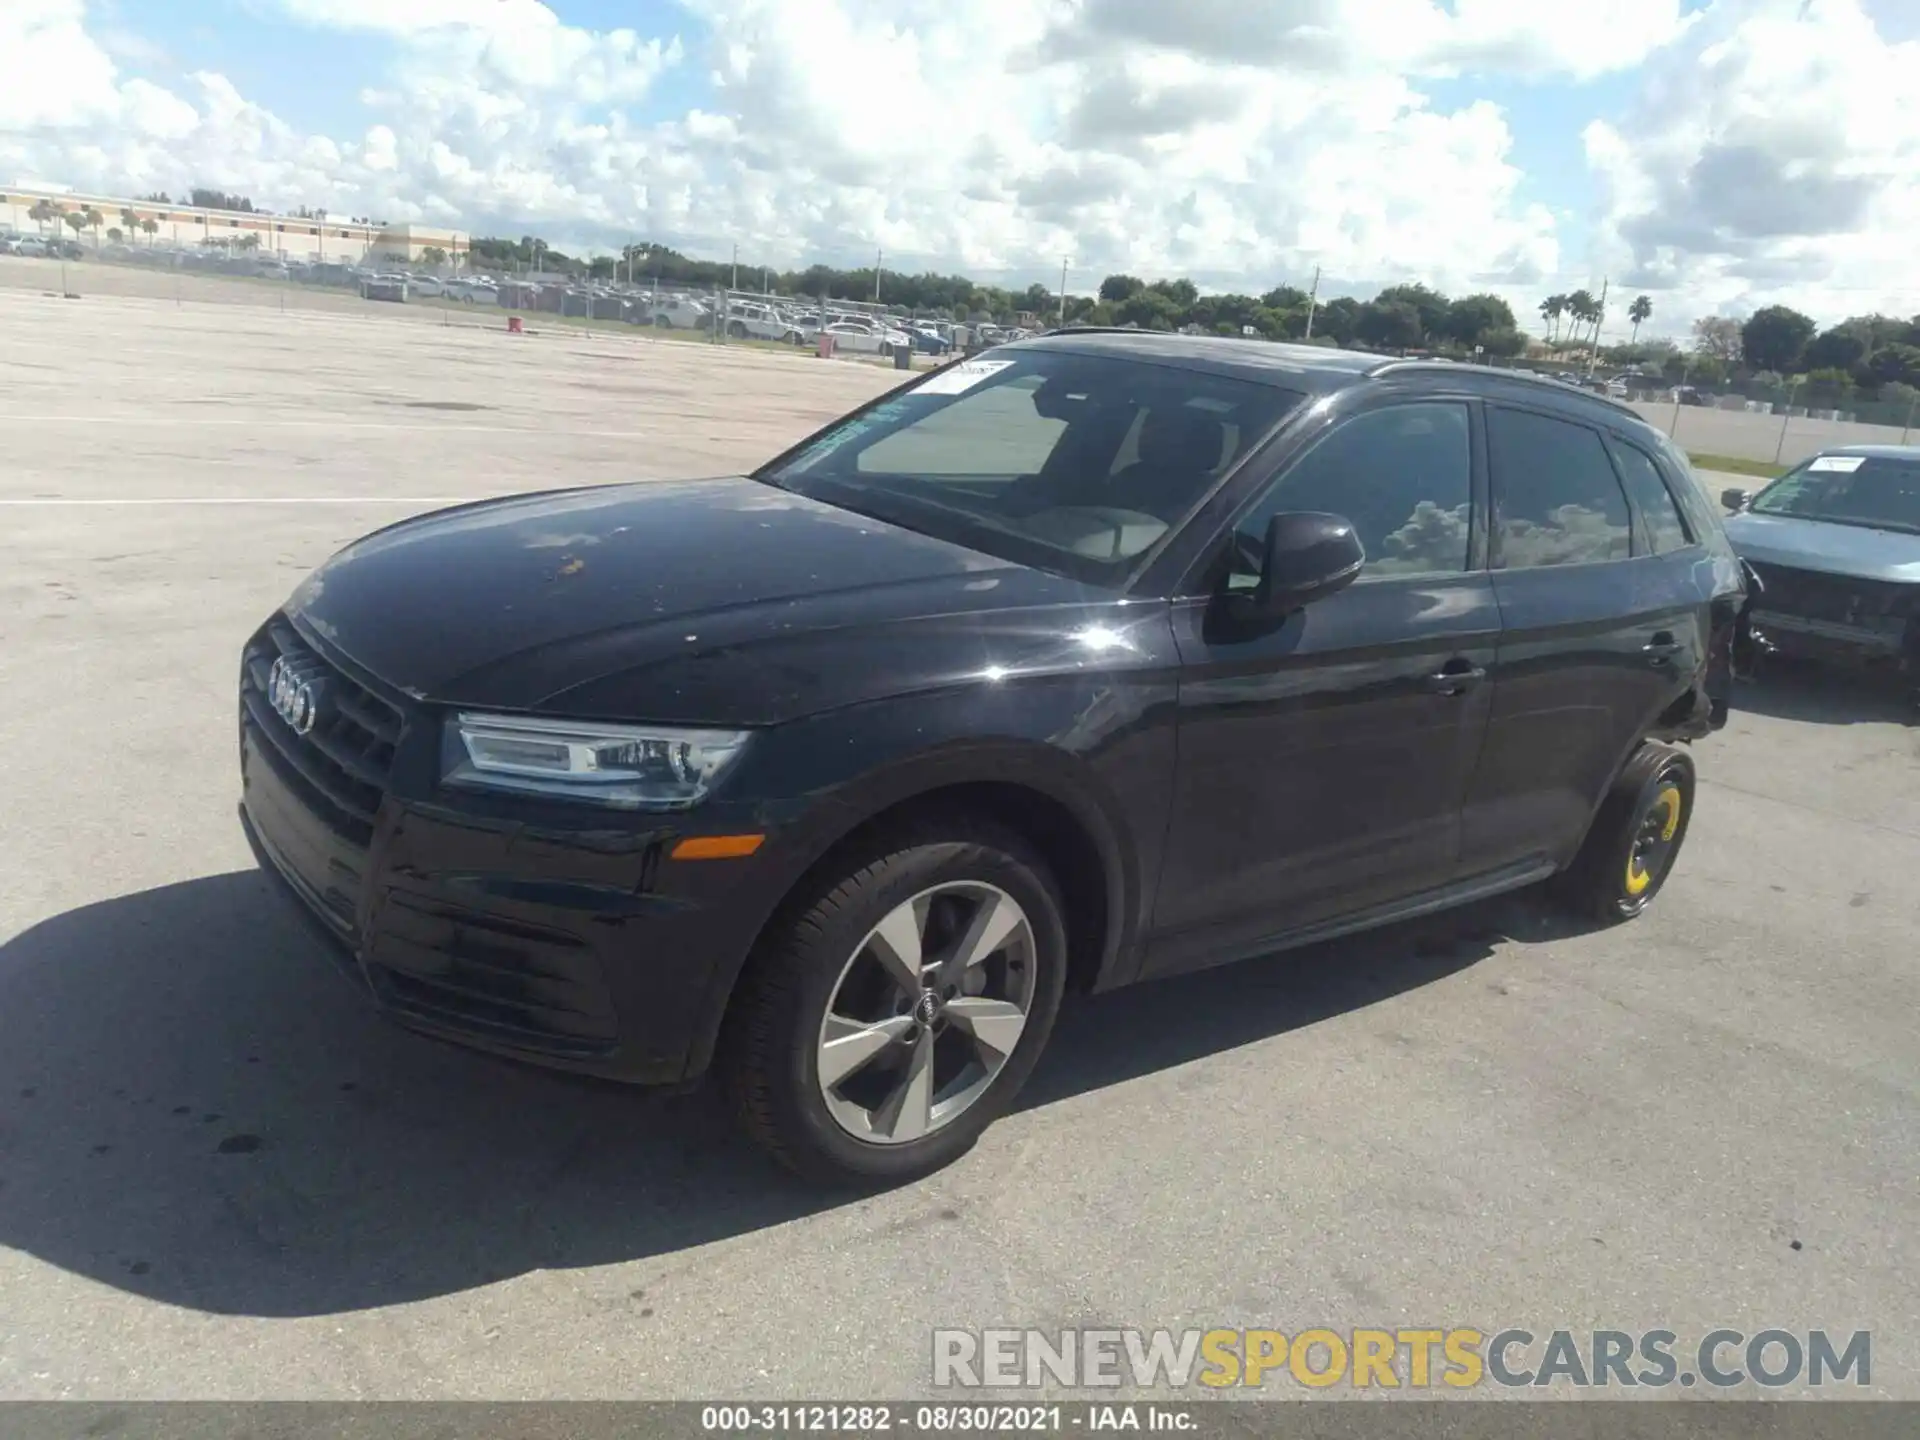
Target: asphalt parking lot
x: 221, y: 1177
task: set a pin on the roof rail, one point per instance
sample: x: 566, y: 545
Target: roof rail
x: 1527, y: 377
x: 1102, y: 330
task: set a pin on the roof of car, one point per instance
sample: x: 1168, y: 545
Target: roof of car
x: 1264, y: 360
x: 1875, y: 452
x: 1313, y: 367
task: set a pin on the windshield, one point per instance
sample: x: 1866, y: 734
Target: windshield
x: 1871, y: 490
x: 1067, y: 461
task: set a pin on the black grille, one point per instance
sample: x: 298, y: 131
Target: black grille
x: 1820, y: 596
x: 340, y: 766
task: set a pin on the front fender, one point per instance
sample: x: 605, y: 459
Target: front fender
x: 1099, y: 746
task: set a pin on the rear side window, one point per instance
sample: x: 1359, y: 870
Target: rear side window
x: 1652, y: 499
x: 1557, y: 500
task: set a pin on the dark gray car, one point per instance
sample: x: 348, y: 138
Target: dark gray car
x: 1835, y: 543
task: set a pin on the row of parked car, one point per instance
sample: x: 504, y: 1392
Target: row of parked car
x: 48, y: 246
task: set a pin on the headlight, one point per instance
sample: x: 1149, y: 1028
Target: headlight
x: 640, y: 767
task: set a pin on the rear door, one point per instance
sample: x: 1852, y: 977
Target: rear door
x: 1601, y: 629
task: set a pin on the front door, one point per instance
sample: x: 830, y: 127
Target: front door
x: 1323, y: 765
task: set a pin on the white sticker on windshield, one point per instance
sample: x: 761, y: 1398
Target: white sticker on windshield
x: 1845, y: 464
x: 956, y: 379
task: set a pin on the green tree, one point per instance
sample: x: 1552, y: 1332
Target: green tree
x: 1472, y: 317
x: 1835, y: 349
x: 1116, y: 288
x: 76, y: 221
x: 1717, y: 336
x: 1639, y: 313
x: 1285, y: 297
x: 1429, y: 307
x: 114, y: 235
x: 1828, y: 386
x: 1503, y: 344
x: 1389, y: 325
x: 1338, y: 319
x: 150, y: 227
x: 1582, y: 310
x: 1148, y: 309
x: 1894, y: 365
x: 1551, y: 309
x: 1774, y: 337
x: 202, y: 198
x: 433, y: 255
x: 1181, y: 292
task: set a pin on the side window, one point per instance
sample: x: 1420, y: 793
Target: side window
x: 1404, y: 477
x: 1652, y: 498
x: 1557, y: 500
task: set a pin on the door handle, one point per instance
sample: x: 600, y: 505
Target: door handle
x: 1661, y: 649
x: 1456, y: 677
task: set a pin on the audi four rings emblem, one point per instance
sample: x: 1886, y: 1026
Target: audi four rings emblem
x: 292, y: 696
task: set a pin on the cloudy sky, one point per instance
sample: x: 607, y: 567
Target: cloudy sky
x: 1716, y: 156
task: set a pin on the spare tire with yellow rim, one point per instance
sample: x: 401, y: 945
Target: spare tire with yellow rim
x: 1635, y: 837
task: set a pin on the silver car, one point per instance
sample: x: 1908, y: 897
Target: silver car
x: 1835, y: 543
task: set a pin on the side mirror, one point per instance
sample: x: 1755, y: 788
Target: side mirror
x: 1735, y: 500
x: 1308, y: 556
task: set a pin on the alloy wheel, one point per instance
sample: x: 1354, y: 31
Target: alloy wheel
x: 926, y: 1012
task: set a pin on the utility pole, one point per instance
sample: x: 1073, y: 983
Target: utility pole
x: 1786, y: 418
x: 876, y: 277
x: 1063, y: 291
x: 1593, y: 351
x: 736, y: 266
x: 1313, y: 299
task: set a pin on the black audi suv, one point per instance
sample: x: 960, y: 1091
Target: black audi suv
x: 1098, y: 657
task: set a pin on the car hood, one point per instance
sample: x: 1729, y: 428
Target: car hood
x: 1850, y: 550
x: 714, y: 601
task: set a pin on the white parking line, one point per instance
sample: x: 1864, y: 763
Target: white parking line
x: 250, y: 500
x: 450, y: 426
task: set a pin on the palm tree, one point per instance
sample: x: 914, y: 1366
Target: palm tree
x: 1639, y: 312
x: 42, y: 213
x: 1584, y: 309
x: 1551, y: 309
x: 150, y: 227
x: 129, y: 219
x: 76, y: 220
x: 93, y: 220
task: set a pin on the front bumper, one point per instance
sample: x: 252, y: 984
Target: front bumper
x: 538, y: 930
x: 1877, y: 644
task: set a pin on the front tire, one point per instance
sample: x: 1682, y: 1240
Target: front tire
x: 1635, y: 838
x: 882, y: 1028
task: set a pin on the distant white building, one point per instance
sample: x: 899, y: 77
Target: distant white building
x: 290, y: 237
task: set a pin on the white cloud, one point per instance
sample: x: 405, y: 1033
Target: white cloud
x: 52, y: 73
x: 1774, y: 156
x: 1243, y: 144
